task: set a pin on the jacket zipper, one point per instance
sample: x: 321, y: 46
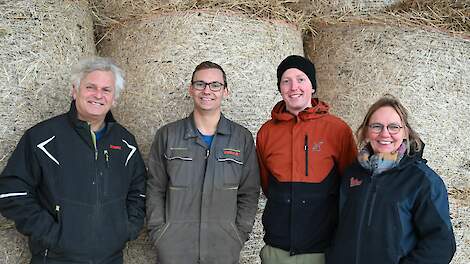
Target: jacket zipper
x: 306, y: 154
x: 45, y: 255
x: 208, y: 152
x: 292, y: 234
x: 372, y: 205
x: 57, y: 211
x: 106, y: 157
x: 95, y: 182
x: 361, y: 221
x: 46, y: 251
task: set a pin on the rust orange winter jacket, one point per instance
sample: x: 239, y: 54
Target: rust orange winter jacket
x: 301, y: 159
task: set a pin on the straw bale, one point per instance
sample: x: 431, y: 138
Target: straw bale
x: 428, y: 71
x: 39, y: 40
x: 123, y: 10
x: 140, y: 251
x: 460, y: 215
x: 111, y: 12
x: 448, y: 15
x: 160, y: 54
x: 340, y: 8
x: 13, y: 249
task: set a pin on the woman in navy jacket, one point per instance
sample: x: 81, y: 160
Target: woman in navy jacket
x: 394, y: 208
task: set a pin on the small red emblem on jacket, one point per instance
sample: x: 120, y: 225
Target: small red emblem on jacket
x: 355, y: 182
x: 114, y: 147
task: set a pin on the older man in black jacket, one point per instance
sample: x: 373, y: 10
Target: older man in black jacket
x: 75, y: 183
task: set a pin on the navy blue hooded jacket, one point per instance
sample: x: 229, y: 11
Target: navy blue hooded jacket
x: 400, y: 216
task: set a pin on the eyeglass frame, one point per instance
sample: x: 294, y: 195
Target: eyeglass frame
x: 382, y: 126
x: 208, y: 84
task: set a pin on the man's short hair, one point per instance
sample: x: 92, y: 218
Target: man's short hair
x: 91, y: 64
x: 209, y: 65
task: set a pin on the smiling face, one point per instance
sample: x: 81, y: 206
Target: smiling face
x: 206, y: 100
x: 384, y: 142
x: 95, y: 96
x: 296, y: 90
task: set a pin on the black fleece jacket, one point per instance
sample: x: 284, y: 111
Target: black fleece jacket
x: 77, y: 201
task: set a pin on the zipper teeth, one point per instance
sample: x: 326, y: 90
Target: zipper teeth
x: 306, y: 154
x: 371, y: 210
x: 45, y: 255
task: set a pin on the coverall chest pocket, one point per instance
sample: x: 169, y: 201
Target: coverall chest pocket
x: 229, y: 167
x: 179, y: 166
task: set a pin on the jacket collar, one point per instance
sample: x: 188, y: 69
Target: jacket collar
x: 318, y: 110
x: 223, y: 127
x: 73, y: 117
x: 407, y: 160
x: 82, y: 127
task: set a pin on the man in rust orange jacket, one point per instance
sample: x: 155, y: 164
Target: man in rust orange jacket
x: 302, y: 152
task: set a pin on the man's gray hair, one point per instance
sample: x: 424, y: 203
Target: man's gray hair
x: 91, y: 64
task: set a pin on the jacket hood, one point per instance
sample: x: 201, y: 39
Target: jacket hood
x: 318, y: 109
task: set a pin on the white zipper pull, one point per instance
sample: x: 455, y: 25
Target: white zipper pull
x: 106, y: 157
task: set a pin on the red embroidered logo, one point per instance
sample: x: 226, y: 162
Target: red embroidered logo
x: 233, y: 152
x: 355, y: 182
x: 114, y: 147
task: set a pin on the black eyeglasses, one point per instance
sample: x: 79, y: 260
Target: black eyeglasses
x: 392, y: 128
x: 213, y: 86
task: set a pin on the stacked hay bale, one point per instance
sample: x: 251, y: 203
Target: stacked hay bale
x: 338, y: 8
x: 358, y: 60
x: 159, y: 51
x: 39, y: 41
x: 248, y: 48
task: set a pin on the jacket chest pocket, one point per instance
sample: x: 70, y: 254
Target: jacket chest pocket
x: 229, y: 168
x: 114, y: 173
x: 179, y: 163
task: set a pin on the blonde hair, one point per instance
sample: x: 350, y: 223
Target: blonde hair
x: 413, y: 141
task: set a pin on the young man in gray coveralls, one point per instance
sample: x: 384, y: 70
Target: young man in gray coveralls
x: 203, y: 185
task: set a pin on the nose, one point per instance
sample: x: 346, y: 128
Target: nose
x: 98, y: 93
x: 294, y: 86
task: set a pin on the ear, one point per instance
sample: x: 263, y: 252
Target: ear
x: 406, y: 135
x: 190, y: 90
x: 225, y: 93
x: 73, y: 92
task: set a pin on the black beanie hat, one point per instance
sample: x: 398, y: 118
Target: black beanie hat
x: 298, y: 62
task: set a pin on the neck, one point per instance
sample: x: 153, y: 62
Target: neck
x: 96, y: 125
x: 297, y: 111
x: 206, y: 122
